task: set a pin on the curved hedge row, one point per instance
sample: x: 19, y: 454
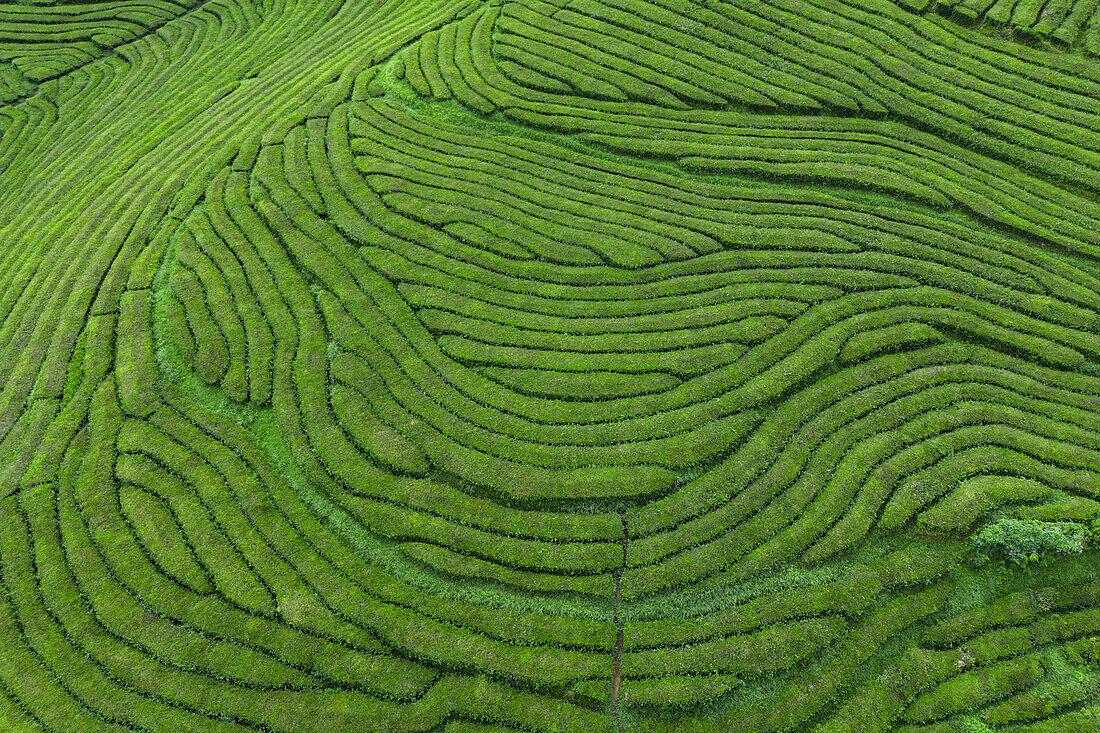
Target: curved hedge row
x: 41, y: 43
x: 964, y: 150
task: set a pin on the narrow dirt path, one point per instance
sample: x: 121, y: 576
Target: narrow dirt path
x: 616, y: 675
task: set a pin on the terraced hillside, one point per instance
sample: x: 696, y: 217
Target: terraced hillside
x: 474, y: 366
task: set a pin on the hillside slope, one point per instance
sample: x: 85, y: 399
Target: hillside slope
x: 587, y: 365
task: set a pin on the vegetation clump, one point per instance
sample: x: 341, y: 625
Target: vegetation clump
x: 1024, y: 541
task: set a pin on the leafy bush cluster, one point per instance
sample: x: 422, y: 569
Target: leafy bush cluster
x: 1026, y: 540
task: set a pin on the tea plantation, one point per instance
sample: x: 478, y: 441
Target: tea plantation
x: 560, y: 366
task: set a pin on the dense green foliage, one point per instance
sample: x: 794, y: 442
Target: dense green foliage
x: 1028, y: 540
x: 532, y: 365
